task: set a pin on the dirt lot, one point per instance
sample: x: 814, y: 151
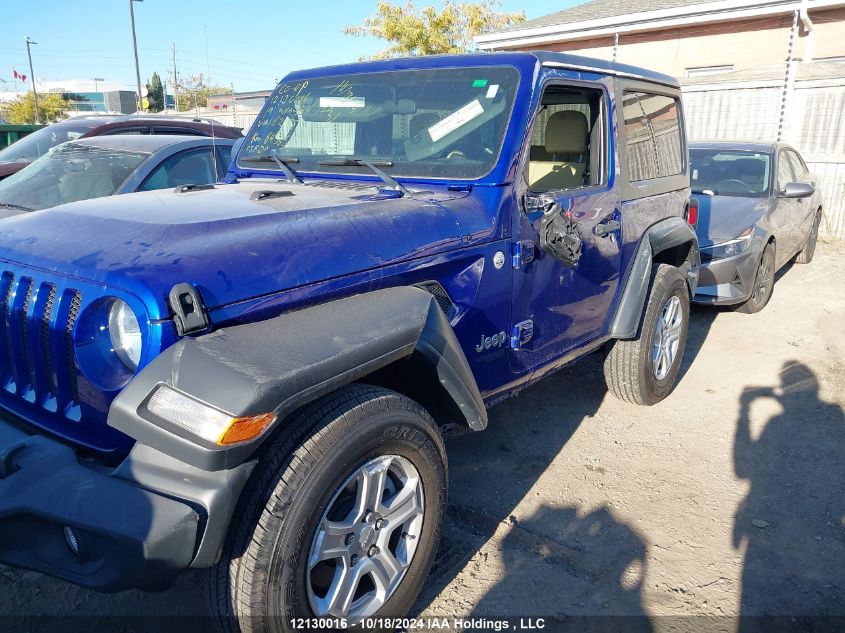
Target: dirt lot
x: 727, y: 499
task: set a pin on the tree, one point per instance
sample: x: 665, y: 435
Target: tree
x: 195, y: 91
x: 412, y: 31
x: 155, y: 93
x: 51, y: 108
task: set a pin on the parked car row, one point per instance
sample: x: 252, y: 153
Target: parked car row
x: 250, y: 377
x: 758, y: 206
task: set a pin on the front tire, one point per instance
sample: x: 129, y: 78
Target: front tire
x: 806, y: 254
x: 643, y: 370
x: 341, y: 520
x: 764, y: 283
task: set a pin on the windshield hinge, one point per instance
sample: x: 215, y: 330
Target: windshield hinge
x: 189, y: 313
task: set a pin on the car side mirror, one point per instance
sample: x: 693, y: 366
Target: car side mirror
x: 797, y: 190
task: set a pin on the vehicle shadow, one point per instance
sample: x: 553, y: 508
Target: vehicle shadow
x: 702, y: 318
x: 588, y: 571
x: 792, y: 522
x: 491, y: 473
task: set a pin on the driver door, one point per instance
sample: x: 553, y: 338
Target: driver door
x: 565, y: 303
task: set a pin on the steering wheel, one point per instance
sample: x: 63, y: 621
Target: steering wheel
x: 738, y: 182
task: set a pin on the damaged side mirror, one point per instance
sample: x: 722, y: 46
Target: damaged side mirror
x: 560, y: 235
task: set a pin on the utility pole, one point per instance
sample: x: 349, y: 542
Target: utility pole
x: 32, y: 76
x: 175, y: 82
x: 135, y: 46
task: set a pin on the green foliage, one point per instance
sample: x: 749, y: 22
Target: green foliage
x: 155, y: 93
x: 427, y: 31
x: 194, y: 92
x: 51, y: 108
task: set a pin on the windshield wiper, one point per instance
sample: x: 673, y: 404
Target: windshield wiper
x: 394, y: 184
x: 19, y: 207
x: 282, y: 161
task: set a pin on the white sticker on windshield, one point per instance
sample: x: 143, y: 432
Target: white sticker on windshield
x: 456, y: 120
x: 342, y: 102
x: 492, y: 91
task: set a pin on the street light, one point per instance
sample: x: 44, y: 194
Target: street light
x: 135, y: 46
x: 96, y: 81
x: 32, y: 75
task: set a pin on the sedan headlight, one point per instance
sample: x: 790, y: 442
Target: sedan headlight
x: 733, y: 247
x: 125, y: 333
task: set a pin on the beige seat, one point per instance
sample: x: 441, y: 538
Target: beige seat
x: 566, y: 137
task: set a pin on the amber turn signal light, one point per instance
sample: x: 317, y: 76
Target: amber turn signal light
x: 248, y: 428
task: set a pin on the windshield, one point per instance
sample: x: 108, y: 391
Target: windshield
x: 441, y: 123
x: 69, y: 173
x: 39, y: 142
x: 744, y: 174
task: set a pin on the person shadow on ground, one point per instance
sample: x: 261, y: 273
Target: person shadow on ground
x: 793, y: 518
x: 571, y: 570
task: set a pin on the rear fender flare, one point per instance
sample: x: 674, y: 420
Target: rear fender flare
x: 659, y: 238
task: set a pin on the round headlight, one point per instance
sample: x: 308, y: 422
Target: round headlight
x: 125, y: 333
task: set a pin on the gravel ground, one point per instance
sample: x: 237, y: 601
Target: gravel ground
x: 726, y: 499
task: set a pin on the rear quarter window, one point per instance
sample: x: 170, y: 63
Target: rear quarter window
x: 652, y: 136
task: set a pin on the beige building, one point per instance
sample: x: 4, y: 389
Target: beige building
x: 687, y: 38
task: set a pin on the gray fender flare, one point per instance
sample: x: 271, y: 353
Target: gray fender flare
x: 658, y: 238
x: 283, y: 363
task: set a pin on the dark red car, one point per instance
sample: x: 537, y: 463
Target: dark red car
x: 19, y: 154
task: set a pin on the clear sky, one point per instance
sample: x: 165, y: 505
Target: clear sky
x: 251, y: 43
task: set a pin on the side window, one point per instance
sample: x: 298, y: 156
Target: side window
x: 225, y: 154
x: 652, y: 136
x: 785, y: 174
x: 194, y: 167
x: 569, y: 140
x: 799, y: 169
x: 127, y: 130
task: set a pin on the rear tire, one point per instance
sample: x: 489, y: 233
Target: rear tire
x: 643, y: 370
x: 312, y: 482
x: 805, y: 255
x: 764, y: 283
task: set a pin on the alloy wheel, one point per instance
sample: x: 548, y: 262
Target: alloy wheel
x: 764, y: 280
x: 366, y: 539
x: 667, y: 337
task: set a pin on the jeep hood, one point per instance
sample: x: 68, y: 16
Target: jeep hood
x: 237, y: 241
x: 722, y: 218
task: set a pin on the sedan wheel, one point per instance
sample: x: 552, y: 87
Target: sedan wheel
x: 764, y: 283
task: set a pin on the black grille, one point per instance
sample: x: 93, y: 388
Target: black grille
x: 24, y: 325
x: 45, y: 337
x: 440, y: 295
x: 75, y: 304
x: 37, y: 356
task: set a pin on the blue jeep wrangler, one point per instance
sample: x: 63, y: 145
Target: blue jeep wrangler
x: 251, y: 377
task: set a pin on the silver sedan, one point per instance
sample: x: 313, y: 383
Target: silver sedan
x: 758, y: 209
x: 110, y: 165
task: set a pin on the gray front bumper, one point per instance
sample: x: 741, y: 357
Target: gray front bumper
x: 727, y: 281
x: 128, y: 536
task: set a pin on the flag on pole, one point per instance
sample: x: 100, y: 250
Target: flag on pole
x: 17, y: 75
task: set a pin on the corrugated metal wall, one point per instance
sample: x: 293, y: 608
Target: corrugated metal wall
x: 814, y: 124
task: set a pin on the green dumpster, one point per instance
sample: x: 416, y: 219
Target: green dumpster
x: 11, y: 133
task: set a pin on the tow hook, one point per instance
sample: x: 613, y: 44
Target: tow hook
x: 7, y: 460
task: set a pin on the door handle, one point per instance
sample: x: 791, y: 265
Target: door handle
x: 607, y: 227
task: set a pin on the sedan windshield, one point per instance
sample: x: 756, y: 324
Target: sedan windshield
x: 442, y: 123
x: 70, y: 172
x: 743, y: 174
x: 41, y: 141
